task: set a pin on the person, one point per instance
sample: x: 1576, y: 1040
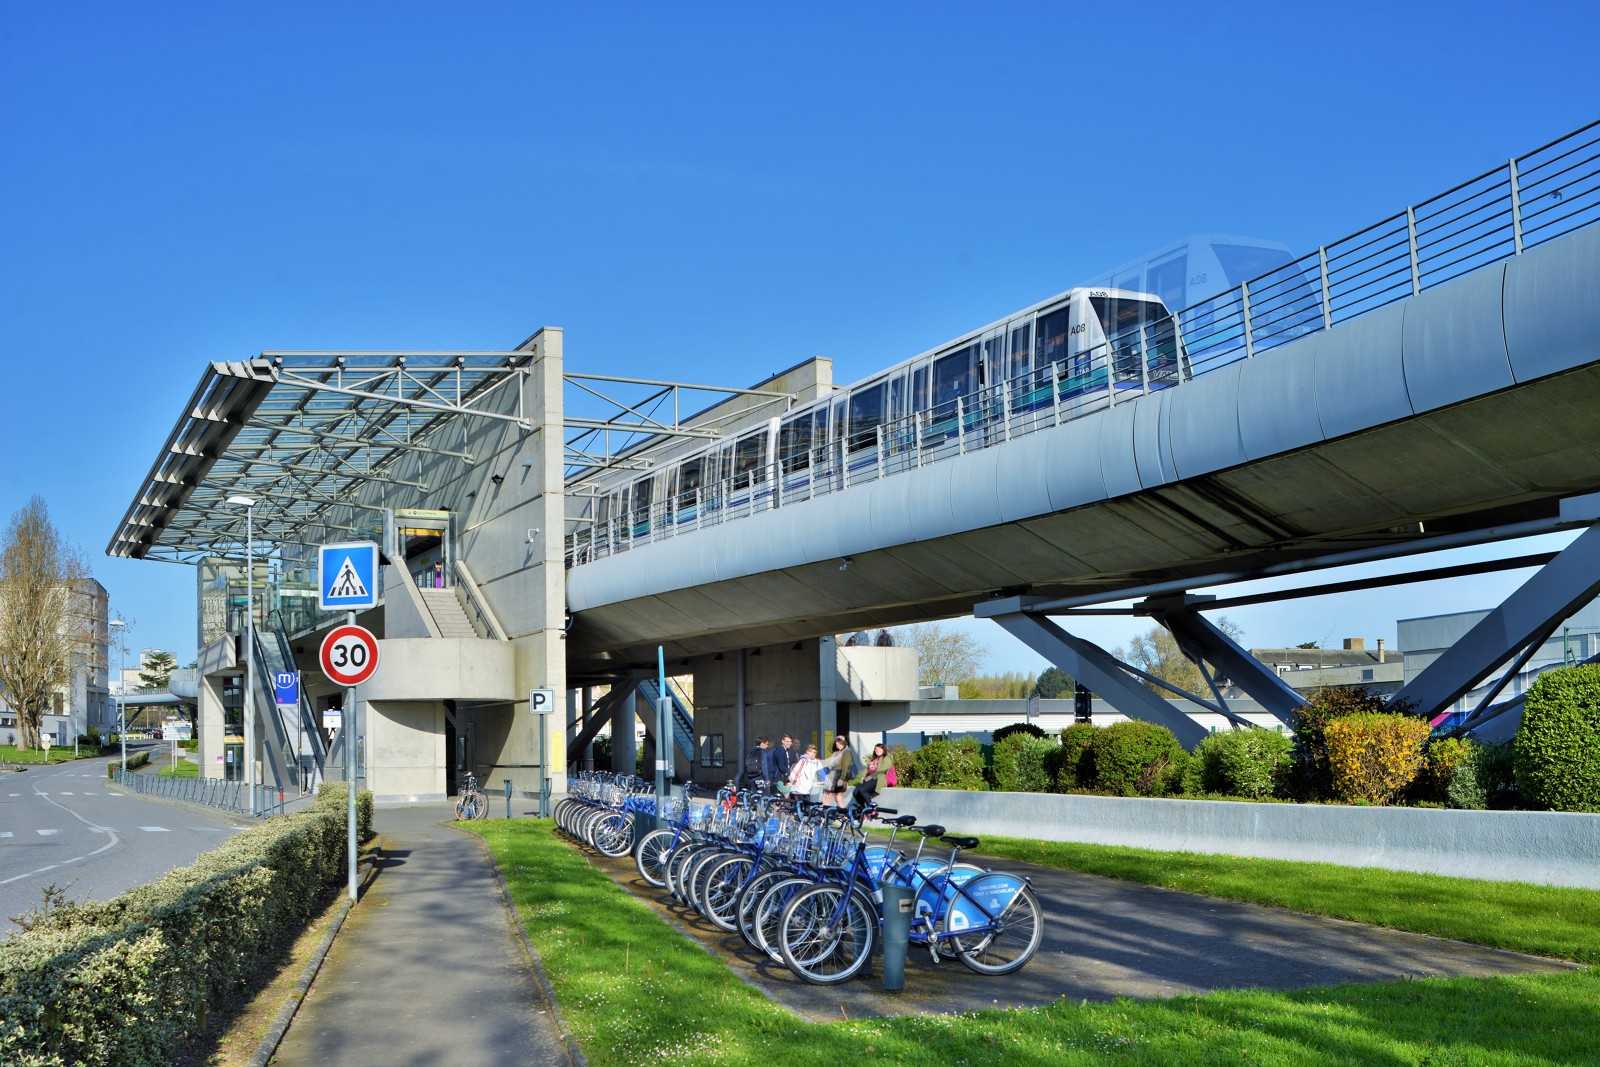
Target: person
x: 804, y: 779
x: 755, y: 762
x: 839, y: 768
x: 778, y: 764
x: 880, y: 768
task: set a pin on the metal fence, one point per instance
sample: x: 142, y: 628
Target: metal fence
x: 1532, y: 200
x: 212, y: 792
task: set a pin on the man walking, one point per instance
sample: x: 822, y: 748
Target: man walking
x: 755, y: 765
x: 779, y: 760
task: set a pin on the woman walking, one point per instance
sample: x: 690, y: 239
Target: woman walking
x: 840, y: 768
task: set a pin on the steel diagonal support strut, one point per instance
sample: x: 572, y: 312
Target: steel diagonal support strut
x: 1558, y: 589
x: 1197, y: 636
x: 1093, y: 666
x: 600, y: 716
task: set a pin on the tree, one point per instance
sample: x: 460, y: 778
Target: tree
x: 944, y: 656
x: 1055, y: 683
x: 46, y: 616
x: 157, y: 671
x: 1156, y: 653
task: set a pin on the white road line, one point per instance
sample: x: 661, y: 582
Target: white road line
x: 67, y: 794
x: 47, y: 833
x: 112, y: 834
x: 5, y: 833
x: 155, y: 829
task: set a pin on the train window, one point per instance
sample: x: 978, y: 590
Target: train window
x: 919, y: 389
x: 992, y: 368
x: 641, y: 499
x: 897, y: 398
x: 747, y: 460
x: 1170, y: 281
x: 1243, y: 263
x: 1021, y: 349
x: 866, y: 415
x: 1052, y: 338
x: 690, y: 476
x: 955, y: 375
x: 1120, y: 316
x: 794, y: 444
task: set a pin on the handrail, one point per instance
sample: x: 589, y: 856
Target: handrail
x: 1530, y: 201
x: 475, y: 604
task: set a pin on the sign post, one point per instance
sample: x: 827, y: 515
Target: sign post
x: 542, y: 702
x: 348, y: 577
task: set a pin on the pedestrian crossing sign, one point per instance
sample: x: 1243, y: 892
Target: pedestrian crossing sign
x: 347, y: 576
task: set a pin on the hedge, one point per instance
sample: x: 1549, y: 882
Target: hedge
x: 1251, y: 763
x: 1020, y: 763
x: 1558, y: 744
x: 1135, y: 758
x: 1373, y: 756
x: 129, y: 982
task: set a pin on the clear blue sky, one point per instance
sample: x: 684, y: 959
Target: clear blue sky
x: 706, y: 192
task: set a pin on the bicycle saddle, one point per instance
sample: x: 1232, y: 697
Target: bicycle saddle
x: 960, y: 842
x: 904, y: 821
x: 934, y: 830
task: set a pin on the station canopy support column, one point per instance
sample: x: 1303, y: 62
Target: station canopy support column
x: 1204, y: 643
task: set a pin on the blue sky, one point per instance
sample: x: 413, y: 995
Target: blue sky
x: 701, y: 191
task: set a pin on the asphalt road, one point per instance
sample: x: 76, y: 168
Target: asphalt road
x: 66, y: 825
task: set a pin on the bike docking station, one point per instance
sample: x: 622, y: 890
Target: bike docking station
x: 899, y: 905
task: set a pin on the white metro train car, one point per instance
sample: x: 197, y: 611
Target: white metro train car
x: 1058, y: 359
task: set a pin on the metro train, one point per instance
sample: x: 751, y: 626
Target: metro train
x: 1054, y: 360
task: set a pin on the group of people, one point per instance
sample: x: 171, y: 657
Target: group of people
x: 836, y: 780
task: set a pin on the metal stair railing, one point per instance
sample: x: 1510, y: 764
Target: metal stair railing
x: 682, y: 713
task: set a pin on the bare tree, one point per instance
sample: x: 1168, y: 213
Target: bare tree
x: 1156, y: 653
x: 944, y: 656
x: 46, y: 616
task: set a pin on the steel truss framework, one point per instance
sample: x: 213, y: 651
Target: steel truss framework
x: 303, y: 432
x: 1507, y: 637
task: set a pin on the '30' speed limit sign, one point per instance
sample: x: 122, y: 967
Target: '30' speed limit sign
x: 349, y: 655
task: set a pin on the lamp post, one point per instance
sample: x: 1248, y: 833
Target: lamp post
x: 249, y: 505
x: 122, y: 655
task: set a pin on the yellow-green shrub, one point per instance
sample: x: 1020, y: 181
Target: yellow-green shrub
x: 131, y: 980
x: 1372, y: 756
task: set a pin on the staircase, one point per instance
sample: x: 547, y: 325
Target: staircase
x: 682, y: 714
x: 449, y: 619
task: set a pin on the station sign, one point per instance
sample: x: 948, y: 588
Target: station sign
x: 286, y: 688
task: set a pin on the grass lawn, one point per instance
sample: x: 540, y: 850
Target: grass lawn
x: 636, y: 991
x: 58, y: 754
x: 184, y: 769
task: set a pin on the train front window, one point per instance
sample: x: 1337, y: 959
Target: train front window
x: 1243, y: 263
x: 1121, y: 317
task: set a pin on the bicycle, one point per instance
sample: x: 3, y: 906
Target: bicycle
x: 473, y: 803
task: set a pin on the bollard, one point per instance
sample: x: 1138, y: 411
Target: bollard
x: 508, y: 798
x: 899, y: 904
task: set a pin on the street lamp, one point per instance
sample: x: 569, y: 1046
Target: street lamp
x: 122, y: 657
x: 249, y: 505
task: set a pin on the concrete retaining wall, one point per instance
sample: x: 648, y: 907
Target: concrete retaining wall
x: 1543, y: 847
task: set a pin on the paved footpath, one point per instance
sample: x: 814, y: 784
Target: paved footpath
x: 428, y: 967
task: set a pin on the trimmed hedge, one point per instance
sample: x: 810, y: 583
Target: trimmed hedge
x: 1558, y: 743
x: 1137, y: 759
x: 128, y: 982
x: 941, y: 764
x: 1250, y: 763
x: 1071, y: 770
x: 1020, y: 763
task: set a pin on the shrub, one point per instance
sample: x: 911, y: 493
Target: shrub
x: 1310, y: 778
x: 1558, y: 744
x: 1444, y: 758
x: 1373, y: 756
x: 1019, y: 763
x: 1014, y: 729
x: 1485, y: 779
x: 1241, y: 763
x: 942, y: 764
x: 1136, y: 758
x: 1069, y: 764
x: 131, y: 980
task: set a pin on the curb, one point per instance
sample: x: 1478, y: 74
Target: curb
x: 549, y: 994
x: 291, y: 1004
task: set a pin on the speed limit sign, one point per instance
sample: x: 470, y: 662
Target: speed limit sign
x: 349, y: 655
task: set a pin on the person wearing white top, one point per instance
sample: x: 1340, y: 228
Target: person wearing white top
x: 803, y: 776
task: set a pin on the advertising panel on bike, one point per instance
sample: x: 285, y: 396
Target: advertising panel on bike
x: 978, y: 907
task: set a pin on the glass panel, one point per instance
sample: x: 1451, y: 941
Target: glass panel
x: 1052, y: 337
x: 866, y: 414
x: 1021, y: 350
x: 794, y: 444
x: 919, y: 389
x: 1170, y: 282
x: 748, y: 459
x: 955, y: 375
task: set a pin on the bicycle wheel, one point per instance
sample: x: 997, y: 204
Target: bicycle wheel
x: 750, y: 894
x: 721, y: 892
x: 678, y: 866
x: 827, y: 934
x: 651, y: 856
x: 768, y: 918
x: 471, y: 806
x: 612, y: 834
x: 1010, y: 939
x: 695, y: 882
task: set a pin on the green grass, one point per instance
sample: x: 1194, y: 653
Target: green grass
x: 1543, y: 920
x: 58, y: 754
x: 184, y: 769
x: 636, y: 991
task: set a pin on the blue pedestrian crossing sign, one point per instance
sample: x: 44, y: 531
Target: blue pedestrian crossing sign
x: 347, y: 576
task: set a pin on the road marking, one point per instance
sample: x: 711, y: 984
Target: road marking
x: 47, y: 833
x: 68, y: 794
x: 5, y: 833
x: 155, y: 829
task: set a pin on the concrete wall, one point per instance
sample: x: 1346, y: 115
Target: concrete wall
x: 873, y: 673
x: 1547, y: 848
x: 405, y: 750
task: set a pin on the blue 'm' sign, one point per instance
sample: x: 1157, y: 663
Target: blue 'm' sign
x: 347, y: 576
x: 286, y: 687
